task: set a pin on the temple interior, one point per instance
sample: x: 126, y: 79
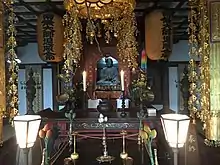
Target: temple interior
x: 103, y: 77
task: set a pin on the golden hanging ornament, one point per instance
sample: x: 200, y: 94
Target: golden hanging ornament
x: 2, y: 73
x: 127, y: 45
x: 12, y: 86
x: 115, y: 17
x: 193, y: 103
x: 204, y: 52
x: 72, y: 43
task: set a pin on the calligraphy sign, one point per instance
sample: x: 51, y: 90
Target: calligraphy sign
x: 50, y: 37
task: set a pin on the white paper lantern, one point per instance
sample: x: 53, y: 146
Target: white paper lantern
x: 175, y: 128
x: 26, y: 129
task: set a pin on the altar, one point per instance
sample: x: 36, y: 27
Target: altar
x: 108, y: 94
x: 90, y: 133
x: 88, y: 121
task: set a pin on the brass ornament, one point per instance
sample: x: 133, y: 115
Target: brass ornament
x: 215, y: 23
x: 127, y: 45
x: 213, y: 123
x: 12, y: 86
x: 116, y: 18
x: 72, y: 43
x: 204, y: 101
x: 203, y: 53
x: 193, y: 102
x: 2, y: 73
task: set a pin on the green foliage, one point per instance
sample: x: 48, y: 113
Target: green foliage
x: 139, y: 90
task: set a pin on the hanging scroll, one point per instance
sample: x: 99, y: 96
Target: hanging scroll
x: 50, y: 37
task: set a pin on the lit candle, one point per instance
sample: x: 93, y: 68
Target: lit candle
x: 122, y: 80
x: 84, y: 80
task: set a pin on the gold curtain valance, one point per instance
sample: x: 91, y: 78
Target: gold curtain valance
x: 100, y: 9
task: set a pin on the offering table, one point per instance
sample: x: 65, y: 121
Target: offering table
x: 90, y: 132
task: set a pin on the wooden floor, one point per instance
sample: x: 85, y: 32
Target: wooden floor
x: 8, y: 152
x: 90, y: 149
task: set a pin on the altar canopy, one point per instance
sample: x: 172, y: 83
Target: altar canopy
x: 115, y: 18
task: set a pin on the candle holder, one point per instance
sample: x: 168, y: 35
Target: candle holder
x: 123, y: 154
x: 142, y: 154
x: 105, y: 157
x: 84, y: 100
x: 71, y: 116
x: 74, y: 155
x: 123, y: 113
x: 155, y: 157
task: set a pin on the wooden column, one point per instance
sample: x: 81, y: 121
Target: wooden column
x: 55, y: 85
x: 165, y: 87
x: 2, y: 73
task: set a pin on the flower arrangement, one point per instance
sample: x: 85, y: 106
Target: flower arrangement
x: 49, y: 134
x: 140, y: 91
x: 148, y: 135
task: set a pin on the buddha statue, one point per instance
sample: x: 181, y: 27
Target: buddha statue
x: 109, y: 74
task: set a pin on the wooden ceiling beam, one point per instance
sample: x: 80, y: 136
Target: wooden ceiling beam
x: 39, y: 3
x: 21, y: 31
x: 182, y: 23
x: 28, y: 7
x: 26, y: 22
x: 162, y: 8
x: 147, y: 1
x: 53, y: 7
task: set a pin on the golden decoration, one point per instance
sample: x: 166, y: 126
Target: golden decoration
x: 193, y: 54
x: 204, y: 51
x: 115, y: 17
x: 100, y: 9
x: 72, y: 43
x: 213, y: 122
x: 215, y: 23
x: 2, y: 73
x: 199, y: 77
x: 127, y: 45
x: 12, y: 86
x: 204, y: 101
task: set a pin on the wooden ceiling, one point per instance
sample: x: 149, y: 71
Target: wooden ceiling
x: 28, y: 10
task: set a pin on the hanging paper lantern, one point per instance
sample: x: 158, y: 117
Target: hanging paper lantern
x: 50, y: 37
x: 154, y: 35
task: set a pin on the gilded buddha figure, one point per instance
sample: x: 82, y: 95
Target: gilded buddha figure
x: 109, y: 74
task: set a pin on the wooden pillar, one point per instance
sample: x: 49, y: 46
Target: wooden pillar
x: 55, y: 85
x: 2, y: 72
x: 165, y: 87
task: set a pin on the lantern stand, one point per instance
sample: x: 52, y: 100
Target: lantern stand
x: 30, y: 125
x: 84, y: 100
x: 175, y: 127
